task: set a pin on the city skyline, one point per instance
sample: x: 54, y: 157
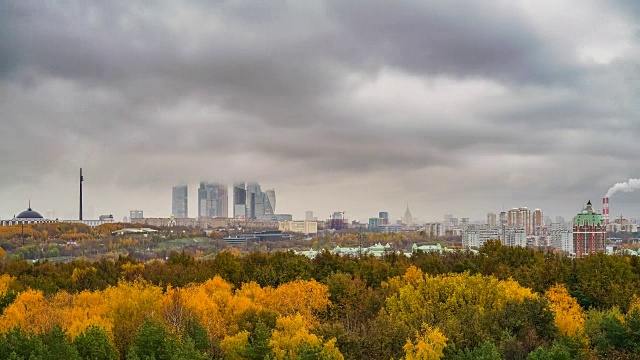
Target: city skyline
x: 452, y: 107
x: 181, y: 194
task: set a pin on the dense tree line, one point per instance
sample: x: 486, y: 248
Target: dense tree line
x: 503, y: 303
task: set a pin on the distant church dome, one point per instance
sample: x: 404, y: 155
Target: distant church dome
x: 29, y: 214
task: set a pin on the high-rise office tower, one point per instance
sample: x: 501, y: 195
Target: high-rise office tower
x: 212, y: 200
x: 270, y: 202
x: 239, y: 200
x: 255, y: 201
x: 180, y: 203
x: 222, y: 201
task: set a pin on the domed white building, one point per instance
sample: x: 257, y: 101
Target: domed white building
x: 28, y: 216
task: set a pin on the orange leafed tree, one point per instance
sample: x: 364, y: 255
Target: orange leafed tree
x: 568, y: 315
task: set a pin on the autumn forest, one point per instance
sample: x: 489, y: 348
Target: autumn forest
x: 503, y: 303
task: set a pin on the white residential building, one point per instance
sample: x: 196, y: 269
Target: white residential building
x: 475, y: 236
x: 561, y: 237
x: 514, y: 236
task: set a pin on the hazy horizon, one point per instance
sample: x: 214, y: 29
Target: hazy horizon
x: 454, y: 107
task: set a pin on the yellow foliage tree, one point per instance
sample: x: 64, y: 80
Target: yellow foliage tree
x: 429, y: 345
x: 633, y: 305
x: 568, y: 315
x: 131, y: 271
x: 29, y: 311
x: 5, y: 283
x: 454, y: 303
x: 292, y: 333
x: 234, y: 344
x: 127, y: 306
x: 78, y: 312
x: 298, y: 297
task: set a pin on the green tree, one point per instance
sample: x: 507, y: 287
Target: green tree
x: 556, y: 352
x: 93, y: 344
x: 58, y: 345
x: 18, y: 344
x: 486, y: 351
x: 154, y: 343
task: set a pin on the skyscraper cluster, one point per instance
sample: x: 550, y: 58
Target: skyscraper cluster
x: 250, y: 202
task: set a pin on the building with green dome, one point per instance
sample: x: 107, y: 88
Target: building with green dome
x: 589, y: 230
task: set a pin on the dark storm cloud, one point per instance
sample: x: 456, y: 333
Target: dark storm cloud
x: 152, y: 93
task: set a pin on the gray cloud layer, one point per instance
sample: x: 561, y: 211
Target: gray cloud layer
x: 451, y: 106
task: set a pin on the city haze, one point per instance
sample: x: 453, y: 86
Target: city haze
x: 455, y: 107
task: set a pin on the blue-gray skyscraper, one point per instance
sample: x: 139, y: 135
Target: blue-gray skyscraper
x: 180, y: 203
x: 239, y: 200
x: 255, y: 201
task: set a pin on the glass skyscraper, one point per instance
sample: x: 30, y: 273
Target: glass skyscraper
x: 239, y: 200
x: 180, y: 203
x: 270, y: 202
x: 212, y: 200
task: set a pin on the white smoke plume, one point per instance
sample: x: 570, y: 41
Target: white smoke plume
x: 628, y: 186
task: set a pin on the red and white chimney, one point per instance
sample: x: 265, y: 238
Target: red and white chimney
x: 605, y: 210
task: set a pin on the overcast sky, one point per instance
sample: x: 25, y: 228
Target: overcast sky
x: 449, y: 106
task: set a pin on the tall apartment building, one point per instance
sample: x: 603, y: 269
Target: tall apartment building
x: 530, y: 221
x: 503, y: 218
x: 136, y: 214
x: 492, y: 219
x: 561, y: 237
x: 475, y: 236
x: 512, y: 217
x: 180, y: 202
x: 434, y: 229
x: 514, y: 236
x: 589, y: 230
x: 213, y: 200
x: 537, y: 221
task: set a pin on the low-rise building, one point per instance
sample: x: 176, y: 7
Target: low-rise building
x: 303, y: 227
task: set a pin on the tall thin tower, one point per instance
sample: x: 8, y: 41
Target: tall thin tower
x: 81, y: 180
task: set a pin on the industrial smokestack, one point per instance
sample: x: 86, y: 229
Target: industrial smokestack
x: 81, y: 180
x: 605, y: 210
